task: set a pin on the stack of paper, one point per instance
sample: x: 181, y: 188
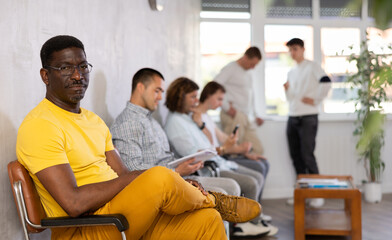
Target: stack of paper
x: 322, y: 183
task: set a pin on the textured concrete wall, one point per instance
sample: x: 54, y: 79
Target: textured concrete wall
x: 120, y: 37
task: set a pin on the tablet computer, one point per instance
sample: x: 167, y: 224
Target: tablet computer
x: 203, y: 155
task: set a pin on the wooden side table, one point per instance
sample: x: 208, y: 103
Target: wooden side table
x: 323, y: 221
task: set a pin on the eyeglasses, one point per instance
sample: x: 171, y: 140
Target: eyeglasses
x: 68, y: 70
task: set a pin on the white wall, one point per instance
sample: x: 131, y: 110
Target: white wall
x: 335, y: 153
x: 120, y: 37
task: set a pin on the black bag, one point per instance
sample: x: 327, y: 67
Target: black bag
x: 210, y: 169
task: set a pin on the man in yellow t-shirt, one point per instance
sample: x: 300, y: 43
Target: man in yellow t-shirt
x: 70, y: 156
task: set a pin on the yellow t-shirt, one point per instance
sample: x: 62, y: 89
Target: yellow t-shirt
x: 50, y: 135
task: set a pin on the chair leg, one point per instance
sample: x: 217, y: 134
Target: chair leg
x: 227, y: 228
x: 21, y: 213
x: 123, y: 236
x: 26, y: 234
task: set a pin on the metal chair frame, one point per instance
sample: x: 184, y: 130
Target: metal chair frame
x: 117, y: 220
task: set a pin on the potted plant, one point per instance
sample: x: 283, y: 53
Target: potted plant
x: 374, y: 75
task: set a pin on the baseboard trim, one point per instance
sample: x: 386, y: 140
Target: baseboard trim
x: 278, y: 193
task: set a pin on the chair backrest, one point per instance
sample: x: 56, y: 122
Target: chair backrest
x: 32, y: 207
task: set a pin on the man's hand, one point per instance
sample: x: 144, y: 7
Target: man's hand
x: 286, y: 85
x: 198, y: 185
x: 259, y: 121
x: 187, y: 168
x: 307, y: 100
x: 232, y: 111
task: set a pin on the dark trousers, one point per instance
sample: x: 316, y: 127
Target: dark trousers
x: 301, y: 135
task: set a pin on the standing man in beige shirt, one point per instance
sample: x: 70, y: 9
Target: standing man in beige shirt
x: 239, y: 104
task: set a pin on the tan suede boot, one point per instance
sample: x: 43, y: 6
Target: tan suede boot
x: 236, y: 209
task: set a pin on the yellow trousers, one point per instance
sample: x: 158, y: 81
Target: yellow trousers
x: 158, y: 204
x: 246, y: 132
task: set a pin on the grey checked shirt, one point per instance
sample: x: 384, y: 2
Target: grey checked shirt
x: 140, y: 139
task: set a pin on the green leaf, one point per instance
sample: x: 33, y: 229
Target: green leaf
x: 382, y: 13
x: 373, y: 76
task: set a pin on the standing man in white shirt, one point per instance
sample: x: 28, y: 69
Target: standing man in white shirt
x: 239, y: 104
x: 306, y: 87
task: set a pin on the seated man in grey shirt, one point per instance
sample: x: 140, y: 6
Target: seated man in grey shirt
x: 141, y: 141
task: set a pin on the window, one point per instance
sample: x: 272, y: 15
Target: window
x: 330, y: 36
x: 234, y: 9
x: 278, y: 62
x: 288, y: 9
x: 225, y: 34
x: 331, y: 30
x: 222, y: 42
x: 340, y: 8
x: 220, y: 47
x: 380, y: 42
x: 225, y: 5
x: 335, y: 51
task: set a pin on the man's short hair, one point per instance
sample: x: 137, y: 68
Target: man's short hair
x: 56, y: 44
x: 295, y: 41
x: 253, y: 52
x: 210, y: 89
x: 144, y: 76
x: 175, y: 94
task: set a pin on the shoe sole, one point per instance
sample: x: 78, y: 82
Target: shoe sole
x: 250, y: 236
x: 270, y: 234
